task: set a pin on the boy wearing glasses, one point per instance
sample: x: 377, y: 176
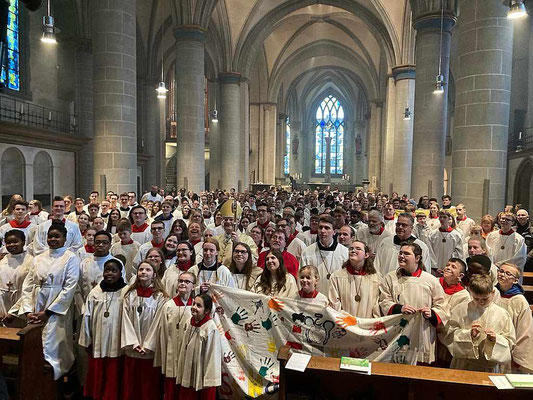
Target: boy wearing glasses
x: 513, y: 300
x: 157, y: 228
x: 507, y: 245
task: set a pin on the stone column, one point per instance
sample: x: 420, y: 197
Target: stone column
x: 230, y: 126
x: 387, y: 150
x: 151, y: 135
x: 374, y: 155
x: 115, y: 93
x: 296, y: 142
x: 482, y: 81
x: 267, y: 143
x: 404, y: 77
x: 245, y: 135
x: 84, y: 120
x: 190, y: 93
x: 430, y: 111
x: 358, y: 170
x: 281, y: 128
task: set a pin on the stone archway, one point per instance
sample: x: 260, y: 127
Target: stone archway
x: 43, y: 178
x: 13, y: 174
x: 522, y: 186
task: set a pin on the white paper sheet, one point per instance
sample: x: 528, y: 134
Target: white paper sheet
x: 298, y: 362
x: 501, y: 382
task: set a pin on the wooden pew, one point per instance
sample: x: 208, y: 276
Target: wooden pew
x: 323, y: 379
x: 27, y: 374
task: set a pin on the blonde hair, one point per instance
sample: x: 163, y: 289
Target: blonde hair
x: 481, y: 284
x: 312, y: 269
x: 518, y: 270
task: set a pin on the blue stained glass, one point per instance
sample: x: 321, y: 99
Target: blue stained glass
x: 10, y: 70
x: 330, y: 120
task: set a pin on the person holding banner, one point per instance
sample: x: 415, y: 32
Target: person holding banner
x: 200, y: 364
x: 308, y: 278
x: 242, y: 268
x: 409, y: 290
x: 355, y: 287
x: 275, y: 280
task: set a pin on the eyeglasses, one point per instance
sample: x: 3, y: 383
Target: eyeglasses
x: 139, y: 213
x: 402, y: 225
x: 182, y: 250
x: 184, y: 281
x: 97, y: 242
x: 507, y: 273
x: 506, y: 220
x: 240, y: 252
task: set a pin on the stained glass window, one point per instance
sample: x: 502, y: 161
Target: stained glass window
x: 329, y: 124
x: 10, y: 70
x: 286, y: 158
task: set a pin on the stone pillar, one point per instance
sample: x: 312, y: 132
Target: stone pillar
x: 267, y: 143
x: 358, y: 171
x: 387, y: 150
x: 430, y: 111
x: 190, y: 93
x: 115, y: 93
x: 281, y: 129
x: 296, y: 153
x: 230, y: 126
x: 245, y: 135
x: 482, y: 81
x: 84, y: 120
x: 404, y: 77
x: 214, y: 141
x: 374, y: 155
x: 151, y: 135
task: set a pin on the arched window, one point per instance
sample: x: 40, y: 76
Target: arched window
x: 286, y: 158
x: 10, y: 77
x: 329, y: 124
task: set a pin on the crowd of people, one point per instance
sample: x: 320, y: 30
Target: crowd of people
x: 121, y: 284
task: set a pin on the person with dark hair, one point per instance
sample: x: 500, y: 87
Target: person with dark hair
x: 101, y: 333
x: 74, y: 240
x: 387, y: 252
x: 326, y: 254
x: 20, y: 220
x: 47, y: 297
x: 92, y: 267
x: 200, y: 362
x: 185, y: 256
x: 242, y: 267
x: 275, y: 280
x: 140, y: 230
x: 157, y: 228
x: 408, y: 290
x: 445, y: 242
x: 126, y: 247
x: 355, y: 287
x: 209, y: 270
x: 14, y: 268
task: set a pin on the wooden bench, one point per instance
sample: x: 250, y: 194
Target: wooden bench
x: 28, y: 376
x: 323, y: 379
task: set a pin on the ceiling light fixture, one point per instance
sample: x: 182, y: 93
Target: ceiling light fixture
x: 49, y: 35
x: 439, y: 82
x: 161, y: 87
x: 517, y: 9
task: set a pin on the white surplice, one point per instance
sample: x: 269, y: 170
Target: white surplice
x: 13, y: 270
x: 387, y: 256
x: 74, y: 239
x: 445, y: 245
x: 50, y: 285
x: 129, y: 251
x: 98, y: 331
x: 326, y: 261
x: 507, y: 248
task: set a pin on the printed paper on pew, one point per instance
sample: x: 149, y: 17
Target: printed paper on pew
x: 501, y: 382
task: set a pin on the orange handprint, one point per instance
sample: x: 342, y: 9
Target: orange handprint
x: 275, y: 304
x: 216, y: 295
x: 346, y: 321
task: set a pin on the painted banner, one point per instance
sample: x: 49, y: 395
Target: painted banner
x: 254, y: 327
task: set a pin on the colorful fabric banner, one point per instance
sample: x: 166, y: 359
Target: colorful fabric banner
x: 254, y: 327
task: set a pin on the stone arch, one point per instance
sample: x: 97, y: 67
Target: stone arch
x: 12, y: 174
x: 43, y: 178
x: 522, y: 185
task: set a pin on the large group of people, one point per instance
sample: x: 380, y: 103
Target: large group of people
x: 121, y: 284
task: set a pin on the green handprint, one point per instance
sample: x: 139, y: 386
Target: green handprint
x: 239, y: 315
x: 266, y: 364
x: 269, y: 322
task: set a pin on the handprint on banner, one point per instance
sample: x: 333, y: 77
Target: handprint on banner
x: 269, y: 322
x: 239, y: 316
x: 404, y: 322
x: 381, y: 342
x: 378, y: 326
x: 266, y: 364
x: 346, y: 321
x: 276, y: 304
x: 228, y: 357
x: 220, y: 311
x: 241, y: 351
x: 258, y: 304
x: 338, y: 333
x: 357, y: 353
x: 251, y: 327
